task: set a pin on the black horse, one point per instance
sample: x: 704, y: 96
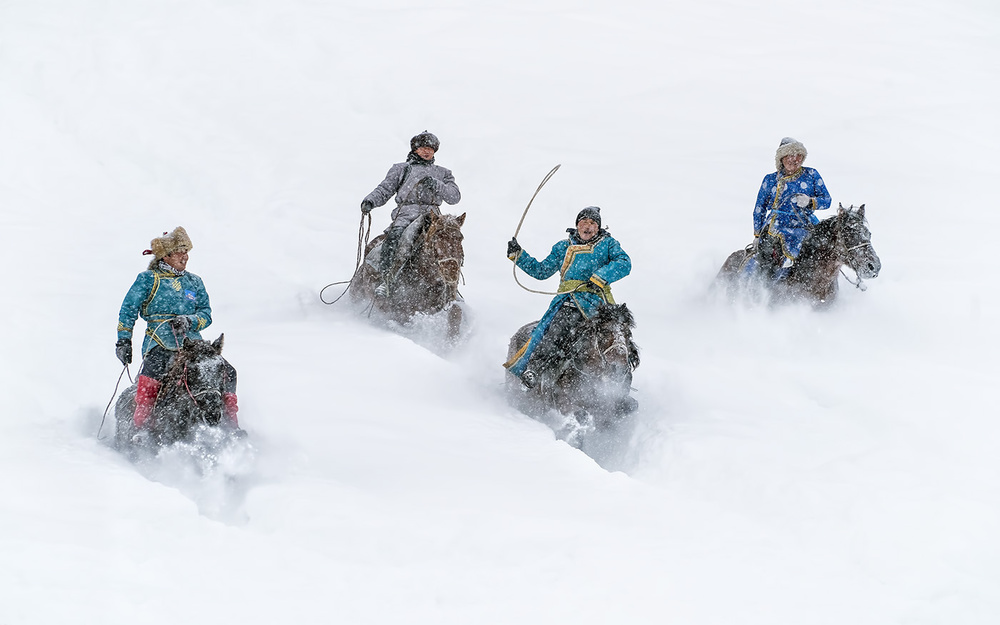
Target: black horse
x: 583, y: 384
x: 190, y: 396
x: 841, y: 240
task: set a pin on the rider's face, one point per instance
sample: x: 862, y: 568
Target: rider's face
x: 586, y: 229
x: 791, y: 162
x: 425, y: 152
x: 177, y: 260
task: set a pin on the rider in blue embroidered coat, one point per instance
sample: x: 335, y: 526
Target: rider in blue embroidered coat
x: 786, y: 201
x: 158, y: 295
x: 588, y: 262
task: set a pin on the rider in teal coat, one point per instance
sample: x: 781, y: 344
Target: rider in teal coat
x: 588, y: 262
x: 175, y: 306
x: 159, y: 295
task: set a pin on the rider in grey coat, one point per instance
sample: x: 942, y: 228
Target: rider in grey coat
x: 419, y: 186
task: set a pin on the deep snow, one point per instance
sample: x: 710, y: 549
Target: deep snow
x: 787, y: 466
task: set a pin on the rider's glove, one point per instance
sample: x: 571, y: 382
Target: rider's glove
x: 367, y: 206
x: 180, y: 324
x: 513, y: 247
x: 595, y: 281
x: 123, y: 349
x: 430, y: 183
x: 801, y: 200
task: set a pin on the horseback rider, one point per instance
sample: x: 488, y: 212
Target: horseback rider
x: 783, y: 215
x: 175, y: 305
x: 588, y: 261
x: 420, y: 186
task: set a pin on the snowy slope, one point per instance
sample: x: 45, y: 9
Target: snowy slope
x: 786, y: 466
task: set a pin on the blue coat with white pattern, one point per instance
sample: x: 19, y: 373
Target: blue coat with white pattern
x: 782, y: 218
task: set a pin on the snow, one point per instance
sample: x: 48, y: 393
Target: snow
x: 787, y: 466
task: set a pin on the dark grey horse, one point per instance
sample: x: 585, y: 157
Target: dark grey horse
x: 841, y: 240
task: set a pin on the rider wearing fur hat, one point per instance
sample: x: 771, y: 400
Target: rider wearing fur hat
x: 783, y: 215
x: 588, y: 261
x: 175, y: 306
x: 420, y: 186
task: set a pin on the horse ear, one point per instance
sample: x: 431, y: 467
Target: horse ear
x: 217, y: 343
x: 461, y: 220
x: 861, y: 211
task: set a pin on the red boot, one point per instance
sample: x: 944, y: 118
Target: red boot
x: 230, y: 408
x: 145, y: 397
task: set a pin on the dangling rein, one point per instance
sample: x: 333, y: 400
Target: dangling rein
x: 364, y: 231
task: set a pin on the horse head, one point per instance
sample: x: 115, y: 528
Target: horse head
x: 444, y: 242
x: 603, y: 356
x: 191, y: 391
x: 855, y: 242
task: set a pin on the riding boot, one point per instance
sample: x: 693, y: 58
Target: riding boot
x: 552, y: 347
x: 387, y: 258
x: 145, y: 396
x: 230, y: 408
x: 769, y: 257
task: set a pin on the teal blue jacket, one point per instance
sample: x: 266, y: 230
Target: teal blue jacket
x: 158, y: 295
x: 600, y: 261
x: 587, y: 271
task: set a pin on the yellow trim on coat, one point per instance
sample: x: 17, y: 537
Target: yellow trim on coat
x: 515, y: 357
x: 571, y: 252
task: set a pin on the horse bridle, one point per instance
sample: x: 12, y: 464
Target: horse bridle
x: 194, y: 397
x: 867, y: 242
x: 450, y: 259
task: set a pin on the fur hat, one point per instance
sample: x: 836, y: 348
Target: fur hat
x: 787, y: 147
x: 591, y: 212
x: 176, y: 241
x: 425, y: 140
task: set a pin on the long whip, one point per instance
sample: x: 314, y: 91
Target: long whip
x: 518, y: 230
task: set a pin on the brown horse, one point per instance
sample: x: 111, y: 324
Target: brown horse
x: 586, y: 387
x: 425, y: 281
x: 841, y: 240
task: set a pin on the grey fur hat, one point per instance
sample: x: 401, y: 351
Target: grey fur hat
x: 787, y: 147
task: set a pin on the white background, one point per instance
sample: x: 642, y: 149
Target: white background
x: 786, y: 466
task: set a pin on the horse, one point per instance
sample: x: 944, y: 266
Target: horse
x: 840, y: 240
x: 586, y: 386
x: 190, y: 396
x: 424, y: 282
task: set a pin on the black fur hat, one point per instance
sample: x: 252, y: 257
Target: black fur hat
x: 591, y: 212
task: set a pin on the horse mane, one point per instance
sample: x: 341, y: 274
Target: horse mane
x: 191, y: 351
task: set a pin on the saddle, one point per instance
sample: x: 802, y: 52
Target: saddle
x: 409, y: 243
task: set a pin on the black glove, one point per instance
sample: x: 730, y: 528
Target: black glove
x: 123, y: 349
x: 180, y: 325
x: 513, y: 247
x: 367, y: 206
x: 430, y: 183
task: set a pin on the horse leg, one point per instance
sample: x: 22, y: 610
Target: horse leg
x: 454, y: 321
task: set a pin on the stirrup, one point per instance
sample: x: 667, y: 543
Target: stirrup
x: 529, y: 379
